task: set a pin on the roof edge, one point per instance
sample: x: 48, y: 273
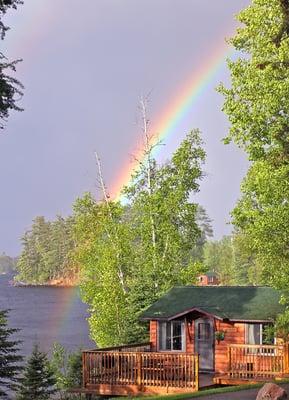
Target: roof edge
x: 169, y: 318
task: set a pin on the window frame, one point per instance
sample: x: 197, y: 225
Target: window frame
x: 261, y: 327
x: 252, y: 350
x: 183, y: 335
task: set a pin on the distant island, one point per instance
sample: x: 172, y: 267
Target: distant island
x: 72, y: 281
x: 46, y: 258
x: 7, y: 264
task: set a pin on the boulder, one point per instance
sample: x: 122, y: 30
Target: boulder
x: 271, y: 391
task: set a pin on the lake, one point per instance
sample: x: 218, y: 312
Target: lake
x: 46, y: 315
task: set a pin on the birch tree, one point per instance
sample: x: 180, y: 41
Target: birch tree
x: 132, y: 253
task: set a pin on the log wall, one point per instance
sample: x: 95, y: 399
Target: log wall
x: 234, y: 334
x: 154, y: 335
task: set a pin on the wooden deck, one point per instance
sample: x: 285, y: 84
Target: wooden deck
x: 252, y: 364
x: 135, y: 369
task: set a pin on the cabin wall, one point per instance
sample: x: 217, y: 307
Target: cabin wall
x: 234, y: 334
x: 154, y: 335
x: 190, y: 336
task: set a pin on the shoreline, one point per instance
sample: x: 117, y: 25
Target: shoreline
x: 63, y: 283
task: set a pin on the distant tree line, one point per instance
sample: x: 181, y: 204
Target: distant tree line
x: 7, y: 264
x: 46, y: 249
x: 231, y: 259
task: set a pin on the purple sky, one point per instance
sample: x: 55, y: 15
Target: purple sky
x: 85, y: 67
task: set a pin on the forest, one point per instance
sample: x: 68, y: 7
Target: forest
x: 7, y: 264
x: 46, y: 250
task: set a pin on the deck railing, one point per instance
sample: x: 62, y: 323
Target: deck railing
x: 143, y: 369
x: 128, y: 348
x: 257, y: 361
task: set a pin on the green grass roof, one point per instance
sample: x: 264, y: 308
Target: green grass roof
x: 242, y: 303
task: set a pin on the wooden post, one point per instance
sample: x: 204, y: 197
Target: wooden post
x: 286, y: 357
x: 229, y: 360
x: 83, y: 370
x: 196, y: 357
x: 138, y: 366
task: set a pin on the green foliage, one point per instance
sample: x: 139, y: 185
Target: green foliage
x: 7, y: 264
x: 247, y: 268
x: 262, y: 215
x: 232, y: 260
x: 269, y: 333
x: 206, y: 232
x: 38, y: 381
x: 46, y: 251
x: 10, y: 88
x: 132, y: 254
x: 282, y: 326
x: 257, y: 106
x: 105, y: 253
x: 67, y: 368
x: 258, y: 101
x: 219, y: 258
x: 10, y: 360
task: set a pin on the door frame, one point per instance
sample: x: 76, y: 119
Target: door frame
x: 196, y: 344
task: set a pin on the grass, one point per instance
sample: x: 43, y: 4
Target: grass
x: 207, y: 392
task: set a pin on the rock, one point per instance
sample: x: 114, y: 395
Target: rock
x: 271, y: 391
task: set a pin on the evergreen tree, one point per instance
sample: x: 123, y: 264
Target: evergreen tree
x: 46, y: 249
x: 7, y: 264
x: 10, y: 88
x: 67, y: 368
x: 38, y: 382
x: 9, y: 358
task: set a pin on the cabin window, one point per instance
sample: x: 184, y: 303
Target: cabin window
x: 172, y: 336
x: 204, y: 331
x: 256, y: 334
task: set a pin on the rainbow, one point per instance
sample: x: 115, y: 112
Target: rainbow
x: 61, y: 314
x: 178, y: 108
x: 166, y: 125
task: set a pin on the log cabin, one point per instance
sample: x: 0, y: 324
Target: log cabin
x: 218, y: 330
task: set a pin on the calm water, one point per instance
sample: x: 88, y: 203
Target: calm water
x: 46, y: 315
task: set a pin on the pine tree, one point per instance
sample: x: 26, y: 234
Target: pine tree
x: 38, y: 382
x: 9, y: 357
x: 10, y: 88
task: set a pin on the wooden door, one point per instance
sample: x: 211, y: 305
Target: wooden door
x: 205, y: 342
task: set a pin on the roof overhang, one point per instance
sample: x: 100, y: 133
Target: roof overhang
x: 181, y: 314
x: 250, y: 321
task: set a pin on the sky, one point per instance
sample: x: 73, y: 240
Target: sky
x: 85, y: 66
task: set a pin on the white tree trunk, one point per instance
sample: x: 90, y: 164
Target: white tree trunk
x: 106, y: 199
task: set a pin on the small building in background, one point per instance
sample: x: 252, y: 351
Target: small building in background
x: 210, y: 278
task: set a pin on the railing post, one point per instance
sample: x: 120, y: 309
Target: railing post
x: 286, y: 357
x: 229, y: 359
x: 196, y: 357
x: 138, y: 366
x: 83, y: 370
